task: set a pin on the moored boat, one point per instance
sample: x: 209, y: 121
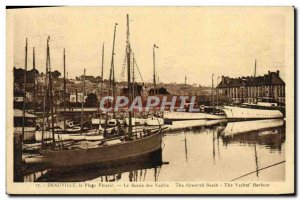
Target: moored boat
x: 148, y: 143
x: 248, y: 111
x: 263, y: 109
x: 190, y: 116
x: 97, y: 120
x: 122, y: 145
x: 154, y: 121
x: 135, y: 121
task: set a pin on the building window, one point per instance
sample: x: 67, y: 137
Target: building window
x: 279, y: 91
x: 248, y: 89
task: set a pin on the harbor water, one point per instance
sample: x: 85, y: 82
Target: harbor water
x: 221, y: 151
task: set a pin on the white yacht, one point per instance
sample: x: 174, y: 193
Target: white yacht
x: 259, y: 110
x: 176, y: 115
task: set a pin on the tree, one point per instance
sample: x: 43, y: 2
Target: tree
x: 55, y: 74
x: 91, y: 100
x: 30, y: 75
x: 19, y: 75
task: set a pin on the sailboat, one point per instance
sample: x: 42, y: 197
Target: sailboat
x: 150, y: 119
x: 59, y: 130
x: 97, y: 119
x: 127, y: 146
x: 24, y: 122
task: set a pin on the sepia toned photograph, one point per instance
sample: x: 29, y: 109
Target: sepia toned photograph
x: 150, y: 100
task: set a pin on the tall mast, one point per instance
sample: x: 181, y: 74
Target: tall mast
x: 255, y: 68
x: 65, y: 88
x: 24, y: 95
x: 47, y: 88
x: 214, y: 147
x: 113, y: 68
x: 45, y: 96
x: 34, y: 77
x: 101, y: 83
x: 82, y: 99
x: 217, y: 89
x: 154, y: 72
x: 185, y: 85
x: 51, y: 93
x: 128, y: 76
x: 133, y: 78
x: 212, y: 92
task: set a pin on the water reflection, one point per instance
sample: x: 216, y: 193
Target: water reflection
x: 133, y: 170
x: 212, y: 151
x: 267, y: 133
x: 270, y: 133
x: 185, y: 148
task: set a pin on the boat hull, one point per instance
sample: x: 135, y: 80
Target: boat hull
x: 103, y: 170
x: 176, y: 116
x: 96, y: 121
x: 135, y: 121
x: 251, y: 113
x: 123, y: 150
x: 154, y: 121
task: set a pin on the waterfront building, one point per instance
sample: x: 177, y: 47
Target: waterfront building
x: 249, y: 89
x: 77, y: 97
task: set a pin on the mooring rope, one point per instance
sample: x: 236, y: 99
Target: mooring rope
x: 258, y: 170
x: 137, y: 68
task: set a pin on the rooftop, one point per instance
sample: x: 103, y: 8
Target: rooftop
x: 272, y: 78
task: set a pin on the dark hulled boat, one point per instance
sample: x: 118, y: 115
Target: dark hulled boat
x: 104, y: 172
x: 105, y: 153
x: 131, y: 144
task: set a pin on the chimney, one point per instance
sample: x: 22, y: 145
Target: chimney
x: 223, y: 79
x: 277, y: 73
x: 227, y: 80
x: 269, y: 72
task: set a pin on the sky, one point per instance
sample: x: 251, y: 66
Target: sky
x: 195, y: 42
